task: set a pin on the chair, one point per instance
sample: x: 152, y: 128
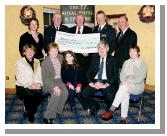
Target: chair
x: 138, y: 99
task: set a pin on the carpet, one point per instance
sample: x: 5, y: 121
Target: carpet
x: 14, y: 110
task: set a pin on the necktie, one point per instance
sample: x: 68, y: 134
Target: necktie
x: 121, y: 35
x: 100, y: 72
x: 57, y: 28
x: 79, y: 32
x: 99, y: 29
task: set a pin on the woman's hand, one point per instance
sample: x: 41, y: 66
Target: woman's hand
x: 71, y: 87
x: 34, y: 86
x: 78, y: 89
x: 57, y: 91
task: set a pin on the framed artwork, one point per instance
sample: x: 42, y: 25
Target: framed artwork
x: 113, y: 20
x: 26, y: 14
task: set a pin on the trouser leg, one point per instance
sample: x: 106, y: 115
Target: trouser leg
x: 71, y: 97
x: 87, y: 95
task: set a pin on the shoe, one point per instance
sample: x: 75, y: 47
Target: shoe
x: 51, y: 121
x: 73, y: 109
x: 31, y: 118
x: 124, y: 121
x: 94, y: 110
x: 107, y: 115
x: 47, y: 121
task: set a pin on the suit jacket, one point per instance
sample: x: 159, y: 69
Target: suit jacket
x: 50, y: 33
x: 128, y: 40
x: 82, y: 60
x: 108, y: 33
x: 111, y: 70
x: 27, y: 38
x: 48, y: 73
x: 25, y: 76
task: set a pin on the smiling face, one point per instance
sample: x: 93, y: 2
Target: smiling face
x: 80, y: 20
x: 69, y: 58
x: 57, y: 19
x: 102, y: 50
x: 122, y: 23
x: 133, y: 53
x: 101, y: 19
x: 33, y: 25
x: 29, y: 53
x: 53, y: 52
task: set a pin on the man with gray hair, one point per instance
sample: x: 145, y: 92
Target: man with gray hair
x: 50, y: 31
x: 102, y: 76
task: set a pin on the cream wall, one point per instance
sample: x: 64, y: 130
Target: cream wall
x: 14, y: 28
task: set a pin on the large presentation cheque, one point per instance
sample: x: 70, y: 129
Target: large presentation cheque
x: 78, y: 43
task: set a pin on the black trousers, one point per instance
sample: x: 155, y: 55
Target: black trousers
x: 88, y: 94
x: 31, y: 98
x: 71, y: 97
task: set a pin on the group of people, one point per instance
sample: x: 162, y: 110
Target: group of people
x: 70, y: 75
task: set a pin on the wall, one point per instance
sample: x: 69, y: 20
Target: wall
x: 14, y: 28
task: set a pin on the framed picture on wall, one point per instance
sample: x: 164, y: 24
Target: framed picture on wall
x: 113, y: 20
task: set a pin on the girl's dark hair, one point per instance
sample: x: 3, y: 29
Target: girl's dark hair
x: 33, y: 19
x: 75, y: 62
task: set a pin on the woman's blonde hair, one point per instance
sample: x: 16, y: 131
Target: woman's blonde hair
x: 52, y: 45
x: 28, y: 46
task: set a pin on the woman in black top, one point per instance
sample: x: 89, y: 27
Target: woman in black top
x: 32, y: 37
x: 71, y: 76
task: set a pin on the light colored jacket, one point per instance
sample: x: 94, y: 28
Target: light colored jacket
x: 135, y: 73
x: 25, y: 76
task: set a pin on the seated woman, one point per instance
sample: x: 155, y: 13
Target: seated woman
x: 71, y: 76
x: 52, y: 82
x: 132, y: 78
x: 28, y: 81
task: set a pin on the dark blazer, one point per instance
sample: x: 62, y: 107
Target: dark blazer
x: 108, y: 33
x: 27, y: 38
x: 82, y: 60
x: 128, y: 40
x: 50, y: 33
x: 111, y: 70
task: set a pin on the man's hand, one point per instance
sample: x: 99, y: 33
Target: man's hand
x: 85, y: 54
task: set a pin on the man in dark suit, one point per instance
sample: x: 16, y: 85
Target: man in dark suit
x: 126, y: 38
x: 102, y: 76
x: 82, y: 58
x: 50, y: 31
x: 107, y: 32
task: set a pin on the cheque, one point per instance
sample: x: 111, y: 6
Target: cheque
x: 78, y: 43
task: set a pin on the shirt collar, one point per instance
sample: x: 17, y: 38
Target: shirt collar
x: 102, y: 25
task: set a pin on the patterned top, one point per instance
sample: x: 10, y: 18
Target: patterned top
x: 57, y: 67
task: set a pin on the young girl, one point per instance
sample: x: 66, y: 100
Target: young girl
x: 71, y: 76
